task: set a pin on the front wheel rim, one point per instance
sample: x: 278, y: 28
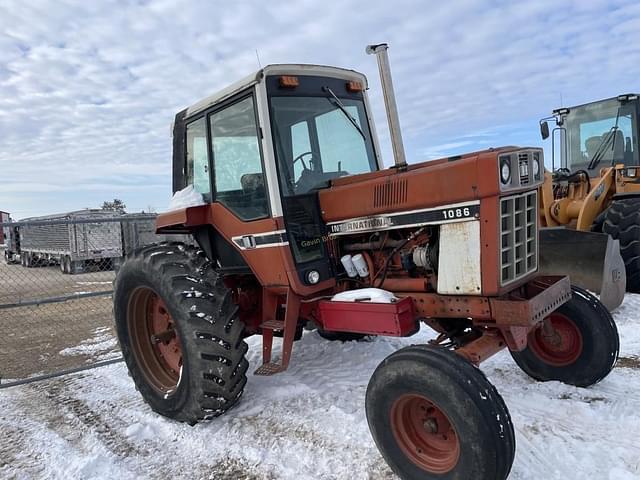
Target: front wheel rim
x: 425, y: 434
x: 154, y: 340
x: 558, y: 342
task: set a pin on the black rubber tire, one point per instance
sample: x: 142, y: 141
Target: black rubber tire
x: 76, y: 266
x: 340, y: 336
x: 63, y: 265
x: 211, y: 334
x: 600, y: 344
x: 622, y: 221
x: 472, y: 404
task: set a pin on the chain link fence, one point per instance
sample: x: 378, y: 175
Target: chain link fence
x: 56, y: 284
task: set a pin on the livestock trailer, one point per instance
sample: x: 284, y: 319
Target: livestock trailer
x: 139, y: 230
x: 10, y: 238
x: 71, y: 240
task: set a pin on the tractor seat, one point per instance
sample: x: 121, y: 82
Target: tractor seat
x: 252, y: 182
x: 253, y: 198
x: 618, y: 148
x: 592, y: 144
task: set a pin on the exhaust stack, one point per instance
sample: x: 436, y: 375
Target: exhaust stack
x: 380, y: 51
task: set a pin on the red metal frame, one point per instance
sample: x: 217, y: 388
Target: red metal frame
x: 391, y: 319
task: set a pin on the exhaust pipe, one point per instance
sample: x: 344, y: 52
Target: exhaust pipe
x: 380, y: 51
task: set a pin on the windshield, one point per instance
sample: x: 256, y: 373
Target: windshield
x: 318, y: 139
x: 604, y: 131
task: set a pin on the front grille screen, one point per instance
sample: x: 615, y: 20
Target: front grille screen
x: 524, y: 167
x: 518, y: 236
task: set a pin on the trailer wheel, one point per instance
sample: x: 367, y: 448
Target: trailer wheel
x: 622, y: 221
x: 63, y: 265
x: 180, y: 333
x: 434, y: 415
x: 577, y: 344
x: 75, y: 266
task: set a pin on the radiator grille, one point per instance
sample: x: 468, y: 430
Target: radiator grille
x: 524, y: 167
x: 390, y: 194
x: 518, y: 236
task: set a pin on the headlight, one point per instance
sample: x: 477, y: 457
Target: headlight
x: 313, y: 277
x: 505, y: 170
x: 536, y: 167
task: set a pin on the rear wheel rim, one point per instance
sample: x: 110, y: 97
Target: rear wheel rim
x: 425, y: 434
x: 558, y: 342
x: 154, y: 339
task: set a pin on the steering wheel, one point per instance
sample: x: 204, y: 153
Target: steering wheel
x: 301, y: 158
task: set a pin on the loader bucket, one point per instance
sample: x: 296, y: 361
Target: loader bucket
x: 591, y: 260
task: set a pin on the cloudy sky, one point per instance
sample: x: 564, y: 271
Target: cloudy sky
x: 88, y: 89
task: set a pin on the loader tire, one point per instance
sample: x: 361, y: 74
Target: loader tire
x: 434, y: 415
x: 179, y: 332
x: 622, y: 221
x: 579, y: 345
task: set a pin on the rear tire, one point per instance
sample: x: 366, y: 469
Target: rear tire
x: 579, y: 347
x: 622, y: 221
x: 193, y: 367
x: 434, y: 415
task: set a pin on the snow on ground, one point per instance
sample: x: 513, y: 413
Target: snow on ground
x: 102, y: 346
x: 309, y: 422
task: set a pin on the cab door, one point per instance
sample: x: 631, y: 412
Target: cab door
x: 224, y: 162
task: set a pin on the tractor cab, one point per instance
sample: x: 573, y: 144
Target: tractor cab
x: 314, y: 120
x: 260, y: 151
x: 595, y: 135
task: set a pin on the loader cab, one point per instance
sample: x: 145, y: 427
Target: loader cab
x: 595, y: 135
x: 262, y: 148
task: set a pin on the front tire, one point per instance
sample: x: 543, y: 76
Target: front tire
x: 433, y: 415
x: 180, y: 333
x: 622, y: 221
x: 577, y: 344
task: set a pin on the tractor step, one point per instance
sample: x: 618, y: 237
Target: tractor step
x: 276, y: 325
x: 267, y: 369
x: 271, y: 368
x: 287, y: 327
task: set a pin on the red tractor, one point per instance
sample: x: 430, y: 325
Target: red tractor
x: 301, y: 223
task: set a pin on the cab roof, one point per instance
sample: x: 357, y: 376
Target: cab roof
x: 275, y: 69
x: 619, y: 97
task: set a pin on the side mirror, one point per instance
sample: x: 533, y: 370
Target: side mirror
x: 544, y: 130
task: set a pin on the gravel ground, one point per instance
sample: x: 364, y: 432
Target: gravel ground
x: 34, y: 336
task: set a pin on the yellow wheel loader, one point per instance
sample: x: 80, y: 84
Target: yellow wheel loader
x: 590, y: 203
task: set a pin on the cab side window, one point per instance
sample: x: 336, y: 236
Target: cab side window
x: 237, y: 160
x: 197, y: 166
